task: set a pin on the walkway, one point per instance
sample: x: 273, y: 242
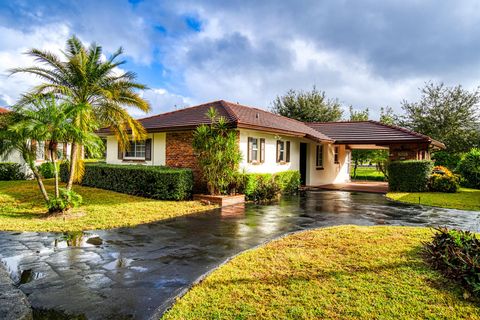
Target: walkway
x: 137, y: 272
x: 360, y: 186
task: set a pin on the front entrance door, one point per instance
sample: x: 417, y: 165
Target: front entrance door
x: 303, y: 163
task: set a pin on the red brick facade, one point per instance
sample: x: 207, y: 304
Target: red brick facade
x: 411, y: 151
x: 179, y: 154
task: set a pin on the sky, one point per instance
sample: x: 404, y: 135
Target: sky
x: 364, y: 53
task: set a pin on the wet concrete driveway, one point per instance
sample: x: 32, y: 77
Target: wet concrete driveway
x: 137, y: 272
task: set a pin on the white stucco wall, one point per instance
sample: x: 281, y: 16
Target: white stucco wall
x: 270, y: 165
x: 158, y: 150
x: 332, y: 172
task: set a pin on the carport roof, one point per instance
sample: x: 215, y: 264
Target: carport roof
x: 370, y: 132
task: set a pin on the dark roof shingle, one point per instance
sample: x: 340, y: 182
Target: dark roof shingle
x: 237, y: 115
x: 370, y: 132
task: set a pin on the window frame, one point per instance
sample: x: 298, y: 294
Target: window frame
x: 336, y: 154
x: 319, y: 159
x: 283, y: 153
x: 135, y: 144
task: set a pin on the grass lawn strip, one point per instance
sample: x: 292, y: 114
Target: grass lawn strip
x: 345, y: 272
x: 22, y: 208
x: 464, y: 199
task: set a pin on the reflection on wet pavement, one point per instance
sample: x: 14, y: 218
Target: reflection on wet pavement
x: 130, y: 272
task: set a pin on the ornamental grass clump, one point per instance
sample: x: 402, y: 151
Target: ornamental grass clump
x: 456, y: 254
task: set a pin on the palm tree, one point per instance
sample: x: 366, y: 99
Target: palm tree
x: 45, y: 120
x: 11, y: 141
x: 94, y: 86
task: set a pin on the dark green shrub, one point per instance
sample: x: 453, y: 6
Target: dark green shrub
x: 68, y: 199
x: 260, y: 187
x: 456, y: 254
x: 11, y: 171
x: 46, y: 170
x: 155, y: 182
x: 443, y: 180
x: 469, y: 168
x: 446, y: 159
x: 409, y: 175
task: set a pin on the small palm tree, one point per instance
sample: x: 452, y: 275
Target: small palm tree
x: 94, y: 86
x: 11, y: 141
x: 45, y: 120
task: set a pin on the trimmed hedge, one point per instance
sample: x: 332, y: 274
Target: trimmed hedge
x: 11, y: 171
x: 157, y: 182
x: 46, y: 170
x: 266, y: 186
x: 409, y: 175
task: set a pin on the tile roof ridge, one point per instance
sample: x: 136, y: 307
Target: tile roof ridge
x: 183, y: 109
x: 229, y: 110
x: 340, y: 121
x: 393, y: 126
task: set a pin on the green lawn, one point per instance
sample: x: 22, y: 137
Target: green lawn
x: 368, y: 173
x: 465, y: 199
x: 22, y: 208
x: 345, y: 272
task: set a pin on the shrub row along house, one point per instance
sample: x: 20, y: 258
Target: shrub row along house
x: 269, y: 143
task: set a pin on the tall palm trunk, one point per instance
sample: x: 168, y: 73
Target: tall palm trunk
x: 53, y: 158
x: 37, y: 176
x: 73, y: 162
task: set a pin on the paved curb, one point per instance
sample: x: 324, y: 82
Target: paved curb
x: 13, y: 302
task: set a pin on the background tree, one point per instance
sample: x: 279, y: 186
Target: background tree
x: 448, y: 114
x: 309, y: 106
x: 360, y: 156
x: 218, y: 153
x: 94, y: 86
x: 387, y: 116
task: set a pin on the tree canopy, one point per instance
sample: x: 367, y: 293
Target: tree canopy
x: 448, y: 114
x: 308, y: 106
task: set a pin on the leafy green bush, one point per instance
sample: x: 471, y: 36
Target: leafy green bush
x: 260, y: 187
x: 443, y: 180
x: 446, y: 159
x: 409, y: 175
x: 46, y: 170
x: 469, y: 168
x: 456, y: 254
x: 288, y: 181
x: 155, y: 182
x: 11, y: 171
x: 68, y: 199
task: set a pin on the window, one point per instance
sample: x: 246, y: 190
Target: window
x: 256, y: 150
x: 136, y: 150
x: 319, y: 160
x: 283, y: 151
x: 40, y: 150
x: 335, y: 154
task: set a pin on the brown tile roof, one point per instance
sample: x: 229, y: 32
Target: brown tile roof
x: 4, y: 110
x: 237, y: 115
x: 370, y: 132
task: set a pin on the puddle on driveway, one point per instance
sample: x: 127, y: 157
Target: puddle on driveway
x: 130, y: 272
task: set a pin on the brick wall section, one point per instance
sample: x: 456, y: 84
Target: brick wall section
x: 179, y: 154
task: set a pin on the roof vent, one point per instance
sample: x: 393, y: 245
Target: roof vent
x: 257, y: 115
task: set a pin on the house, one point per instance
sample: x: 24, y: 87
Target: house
x: 269, y: 143
x: 41, y: 148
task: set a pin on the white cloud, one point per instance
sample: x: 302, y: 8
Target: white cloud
x: 13, y: 44
x: 161, y: 100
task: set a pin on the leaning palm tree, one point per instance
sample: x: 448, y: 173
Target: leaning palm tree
x: 46, y: 120
x: 95, y: 86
